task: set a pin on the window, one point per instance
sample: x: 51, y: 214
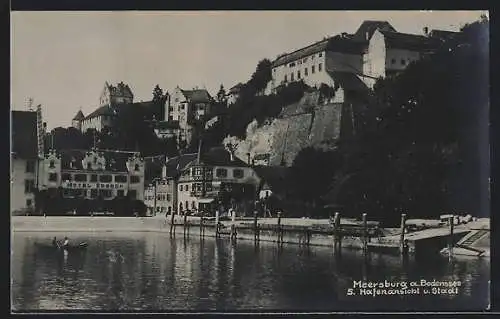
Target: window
x: 135, y: 179
x: 105, y: 193
x: 93, y: 178
x: 320, y: 55
x: 187, y: 205
x: 29, y: 186
x: 80, y: 177
x: 403, y: 61
x: 53, y: 177
x: 285, y: 79
x: 89, y: 165
x: 291, y: 77
x: 180, y: 188
x: 93, y: 193
x: 120, y: 193
x: 221, y: 172
x: 187, y: 188
x: 168, y: 198
x: 193, y: 205
x: 52, y: 164
x: 132, y: 193
x: 170, y: 118
x: 29, y: 202
x: 136, y: 167
x: 105, y: 178
x: 30, y: 167
x: 120, y: 179
x: 319, y: 67
x: 393, y: 61
x: 208, y: 187
x: 66, y: 177
x: 298, y: 74
x: 238, y: 173
x: 305, y: 72
x: 312, y: 69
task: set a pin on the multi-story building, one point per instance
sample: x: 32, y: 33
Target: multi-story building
x: 92, y: 174
x: 27, y: 146
x: 233, y: 94
x: 375, y: 50
x: 183, y: 108
x: 113, y: 101
x: 216, y: 173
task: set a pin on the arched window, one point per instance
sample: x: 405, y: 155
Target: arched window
x: 52, y: 164
x: 136, y: 167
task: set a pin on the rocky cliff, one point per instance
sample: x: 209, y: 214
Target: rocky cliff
x: 309, y: 122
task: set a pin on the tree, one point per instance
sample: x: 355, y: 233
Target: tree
x: 157, y: 94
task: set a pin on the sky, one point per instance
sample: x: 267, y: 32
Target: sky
x: 62, y: 59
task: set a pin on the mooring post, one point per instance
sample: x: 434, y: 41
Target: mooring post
x: 233, y: 232
x: 201, y: 223
x: 217, y: 223
x: 365, y: 233
x: 185, y: 222
x: 172, y: 222
x: 255, y: 226
x: 450, y: 241
x: 279, y: 228
x: 336, y: 231
x: 402, y: 244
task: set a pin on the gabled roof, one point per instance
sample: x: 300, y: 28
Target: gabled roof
x: 235, y: 89
x: 79, y: 116
x: 197, y: 95
x: 219, y: 156
x: 300, y: 53
x: 120, y: 89
x: 115, y: 161
x: 101, y: 111
x: 443, y: 35
x: 24, y: 134
x: 178, y: 163
x: 414, y: 42
x: 369, y: 27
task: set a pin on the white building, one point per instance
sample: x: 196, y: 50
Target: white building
x: 375, y: 50
x: 92, y: 174
x: 25, y: 151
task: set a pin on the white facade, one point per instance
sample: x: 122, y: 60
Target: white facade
x: 96, y: 122
x: 380, y: 60
x: 23, y: 184
x: 164, y: 197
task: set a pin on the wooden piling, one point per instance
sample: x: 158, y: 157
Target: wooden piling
x: 402, y: 243
x: 255, y: 227
x: 201, y: 224
x: 233, y: 232
x: 172, y: 223
x: 185, y: 223
x: 217, y: 223
x: 365, y: 232
x: 450, y: 240
x: 336, y: 231
x: 280, y: 231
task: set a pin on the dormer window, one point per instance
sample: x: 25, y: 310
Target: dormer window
x: 136, y: 167
x: 52, y: 164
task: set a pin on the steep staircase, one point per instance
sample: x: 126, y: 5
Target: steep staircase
x: 474, y: 237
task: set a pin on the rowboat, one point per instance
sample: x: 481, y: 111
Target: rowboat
x: 70, y: 248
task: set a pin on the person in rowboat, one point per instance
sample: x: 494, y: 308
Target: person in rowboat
x: 66, y: 242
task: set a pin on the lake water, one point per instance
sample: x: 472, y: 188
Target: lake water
x: 153, y: 272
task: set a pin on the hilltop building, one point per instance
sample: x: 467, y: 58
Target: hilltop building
x: 183, y: 109
x: 113, y: 100
x: 26, y: 149
x: 375, y: 50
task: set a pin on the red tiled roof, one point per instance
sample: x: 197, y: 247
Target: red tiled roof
x: 24, y: 134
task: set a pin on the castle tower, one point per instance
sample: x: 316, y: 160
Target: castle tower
x: 77, y: 120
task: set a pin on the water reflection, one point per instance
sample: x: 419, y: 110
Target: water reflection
x: 156, y: 272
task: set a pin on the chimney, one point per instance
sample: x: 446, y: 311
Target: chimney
x: 426, y: 31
